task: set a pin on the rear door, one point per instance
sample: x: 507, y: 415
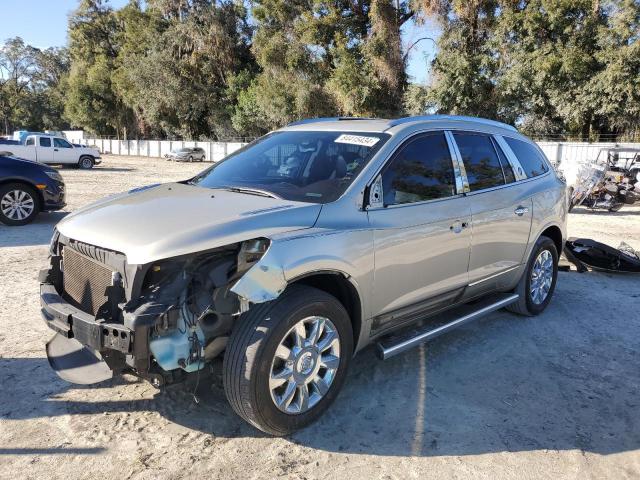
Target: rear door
x: 421, y: 233
x: 45, y: 150
x: 63, y: 151
x: 501, y: 211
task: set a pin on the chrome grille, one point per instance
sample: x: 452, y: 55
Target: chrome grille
x: 85, y: 281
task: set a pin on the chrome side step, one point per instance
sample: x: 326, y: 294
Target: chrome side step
x: 396, y: 344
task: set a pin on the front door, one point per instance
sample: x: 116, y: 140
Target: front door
x: 421, y: 234
x: 63, y: 151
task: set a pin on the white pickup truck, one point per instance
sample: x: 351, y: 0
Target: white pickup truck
x: 52, y: 149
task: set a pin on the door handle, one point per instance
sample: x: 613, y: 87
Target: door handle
x: 55, y: 149
x: 521, y: 210
x: 457, y: 226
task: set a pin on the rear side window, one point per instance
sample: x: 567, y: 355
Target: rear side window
x: 529, y: 157
x: 421, y: 171
x: 45, y: 141
x: 480, y: 160
x: 30, y: 141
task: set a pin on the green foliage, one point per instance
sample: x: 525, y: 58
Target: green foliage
x: 551, y: 66
x: 211, y: 68
x: 31, y: 86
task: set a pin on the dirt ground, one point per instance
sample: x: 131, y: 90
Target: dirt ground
x: 552, y: 397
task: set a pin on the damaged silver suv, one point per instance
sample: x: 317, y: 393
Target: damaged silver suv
x: 299, y: 250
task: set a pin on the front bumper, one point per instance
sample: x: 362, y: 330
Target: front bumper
x: 70, y: 322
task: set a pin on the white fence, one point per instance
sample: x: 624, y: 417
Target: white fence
x: 565, y: 154
x: 214, y: 151
x: 572, y: 153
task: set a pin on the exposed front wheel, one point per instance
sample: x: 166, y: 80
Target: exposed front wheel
x: 287, y: 359
x: 538, y: 281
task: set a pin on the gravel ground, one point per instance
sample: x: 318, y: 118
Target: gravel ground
x: 554, y: 397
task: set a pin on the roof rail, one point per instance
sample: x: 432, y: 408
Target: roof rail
x: 457, y: 118
x: 325, y: 119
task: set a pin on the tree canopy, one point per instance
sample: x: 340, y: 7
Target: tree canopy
x: 227, y: 68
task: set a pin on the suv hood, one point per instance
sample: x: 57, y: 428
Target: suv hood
x: 164, y: 221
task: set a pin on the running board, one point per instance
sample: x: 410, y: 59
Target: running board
x: 396, y: 344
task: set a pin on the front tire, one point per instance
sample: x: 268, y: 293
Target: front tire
x: 538, y: 281
x: 287, y: 359
x: 86, y: 163
x: 19, y: 204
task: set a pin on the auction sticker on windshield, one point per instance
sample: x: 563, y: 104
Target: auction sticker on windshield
x: 357, y: 140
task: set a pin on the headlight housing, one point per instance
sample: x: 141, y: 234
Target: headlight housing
x: 52, y: 174
x: 251, y: 251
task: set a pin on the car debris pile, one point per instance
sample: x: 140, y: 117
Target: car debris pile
x: 609, y: 182
x: 588, y: 254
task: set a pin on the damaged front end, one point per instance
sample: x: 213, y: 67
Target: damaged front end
x: 158, y: 321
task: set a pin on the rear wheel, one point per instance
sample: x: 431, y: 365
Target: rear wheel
x: 18, y: 204
x: 86, y: 162
x: 538, y: 281
x: 287, y: 359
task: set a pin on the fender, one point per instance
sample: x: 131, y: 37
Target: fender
x: 289, y: 259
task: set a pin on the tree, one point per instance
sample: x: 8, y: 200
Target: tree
x: 92, y: 102
x: 17, y: 68
x: 465, y: 67
x: 31, y: 82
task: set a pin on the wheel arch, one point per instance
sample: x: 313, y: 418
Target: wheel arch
x: 554, y: 233
x: 343, y: 288
x: 29, y: 184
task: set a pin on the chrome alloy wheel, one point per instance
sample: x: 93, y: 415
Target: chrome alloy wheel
x: 305, y: 365
x: 17, y: 204
x: 541, y: 277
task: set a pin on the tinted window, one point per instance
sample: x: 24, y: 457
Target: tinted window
x: 297, y: 165
x: 45, y: 142
x: 529, y: 157
x: 421, y: 171
x: 509, y: 176
x: 30, y: 141
x: 480, y: 161
x: 60, y: 143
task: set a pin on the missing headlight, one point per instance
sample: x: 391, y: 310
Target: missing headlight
x: 251, y: 251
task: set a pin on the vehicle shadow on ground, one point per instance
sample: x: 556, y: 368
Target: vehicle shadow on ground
x: 510, y: 384
x: 113, y: 169
x: 37, y: 232
x: 620, y: 213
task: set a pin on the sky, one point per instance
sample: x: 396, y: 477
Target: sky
x: 43, y: 24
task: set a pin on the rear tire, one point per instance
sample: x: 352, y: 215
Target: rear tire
x: 86, y: 163
x: 19, y: 204
x: 528, y: 304
x: 255, y: 348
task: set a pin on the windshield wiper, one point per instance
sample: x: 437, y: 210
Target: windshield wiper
x: 252, y: 191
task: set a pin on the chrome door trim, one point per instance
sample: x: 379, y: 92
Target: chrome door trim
x: 477, y: 282
x: 462, y: 183
x: 511, y: 158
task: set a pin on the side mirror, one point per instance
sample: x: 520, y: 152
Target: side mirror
x: 376, y: 197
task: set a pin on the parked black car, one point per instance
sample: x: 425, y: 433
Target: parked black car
x: 27, y: 188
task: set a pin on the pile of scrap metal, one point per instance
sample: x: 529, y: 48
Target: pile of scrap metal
x: 609, y: 182
x: 587, y: 254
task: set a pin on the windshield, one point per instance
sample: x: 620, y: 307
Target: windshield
x: 305, y: 166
